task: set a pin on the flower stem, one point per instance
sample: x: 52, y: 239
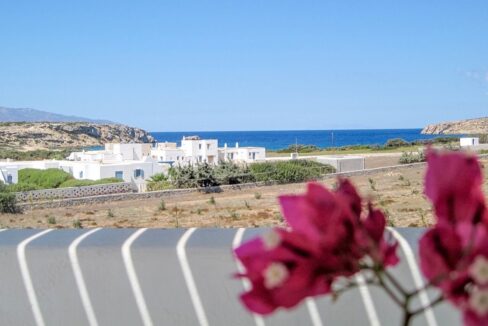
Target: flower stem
x: 395, y: 283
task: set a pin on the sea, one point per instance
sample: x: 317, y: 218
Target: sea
x: 274, y: 140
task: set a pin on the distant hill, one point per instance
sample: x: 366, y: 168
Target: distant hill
x: 59, y: 135
x: 32, y: 115
x: 467, y: 127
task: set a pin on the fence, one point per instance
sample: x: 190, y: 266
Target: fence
x: 171, y: 277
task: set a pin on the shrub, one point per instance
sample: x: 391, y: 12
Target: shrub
x: 51, y: 220
x: 8, y: 203
x: 372, y: 184
x: 205, y: 176
x: 20, y: 187
x: 45, y: 179
x: 300, y: 149
x: 77, y: 224
x: 82, y: 183
x: 229, y: 173
x: 183, y: 176
x: 257, y: 195
x: 290, y: 171
x: 162, y: 205
x: 160, y: 185
x: 396, y: 142
x: 158, y: 177
x: 408, y: 157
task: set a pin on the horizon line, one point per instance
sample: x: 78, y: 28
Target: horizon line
x: 273, y: 130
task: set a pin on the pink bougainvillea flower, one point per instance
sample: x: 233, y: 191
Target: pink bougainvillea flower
x: 327, y: 238
x: 453, y: 184
x: 334, y: 220
x: 454, y: 253
x: 282, y: 269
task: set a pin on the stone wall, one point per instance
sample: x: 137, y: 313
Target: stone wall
x: 53, y: 203
x: 74, y: 192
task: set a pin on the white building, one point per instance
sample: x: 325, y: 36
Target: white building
x: 9, y: 174
x: 469, y: 141
x: 137, y: 162
x: 242, y: 154
x: 9, y: 170
x: 194, y: 150
x: 129, y: 162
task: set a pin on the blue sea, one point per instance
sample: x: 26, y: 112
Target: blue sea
x: 273, y: 140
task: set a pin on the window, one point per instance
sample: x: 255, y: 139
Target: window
x: 81, y: 174
x: 119, y: 175
x: 208, y: 146
x: 177, y: 158
x: 10, y: 179
x: 199, y: 158
x: 138, y: 173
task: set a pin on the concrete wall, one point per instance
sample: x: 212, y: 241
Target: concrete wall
x: 469, y: 141
x: 344, y: 163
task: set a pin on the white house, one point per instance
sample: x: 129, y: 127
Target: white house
x: 137, y: 162
x: 242, y: 154
x: 200, y: 150
x: 469, y: 141
x: 168, y: 153
x: 194, y: 150
x: 9, y: 174
x: 129, y: 162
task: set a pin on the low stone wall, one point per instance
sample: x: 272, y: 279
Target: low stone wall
x: 137, y: 196
x: 75, y: 192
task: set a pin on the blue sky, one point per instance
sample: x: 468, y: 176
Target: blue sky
x: 247, y: 65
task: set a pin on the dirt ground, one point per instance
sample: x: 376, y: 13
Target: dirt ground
x: 398, y: 193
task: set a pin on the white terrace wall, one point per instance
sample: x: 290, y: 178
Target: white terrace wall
x: 76, y: 192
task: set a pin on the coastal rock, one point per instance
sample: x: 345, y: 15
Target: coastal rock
x: 49, y: 135
x: 469, y: 127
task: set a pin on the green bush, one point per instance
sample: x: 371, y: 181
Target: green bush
x: 205, y: 175
x: 183, y: 177
x: 8, y: 203
x: 159, y: 185
x: 299, y: 148
x: 396, y: 142
x: 229, y: 173
x: 81, y: 183
x: 408, y: 157
x: 289, y: 171
x: 20, y: 187
x: 45, y: 179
